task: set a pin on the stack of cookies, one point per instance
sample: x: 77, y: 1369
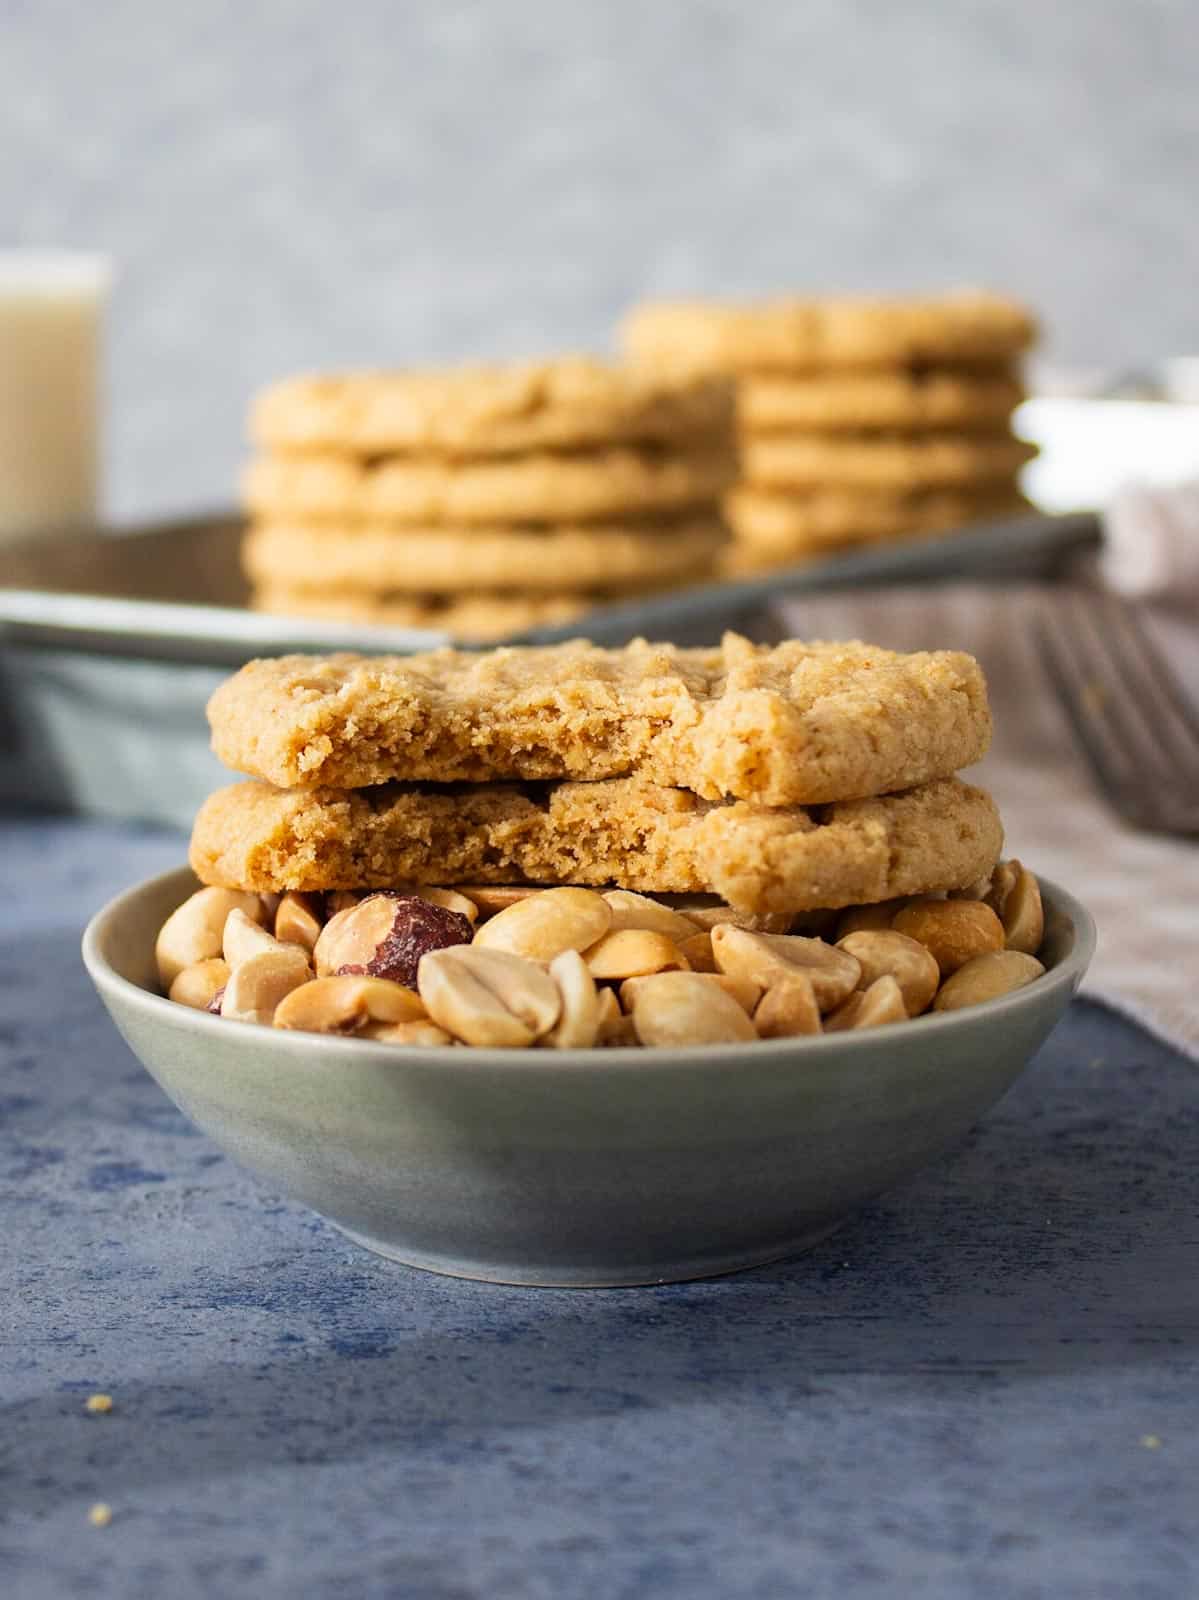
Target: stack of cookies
x: 784, y: 779
x: 859, y: 421
x: 481, y: 501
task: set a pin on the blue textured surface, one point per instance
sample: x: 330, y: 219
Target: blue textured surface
x: 950, y: 1397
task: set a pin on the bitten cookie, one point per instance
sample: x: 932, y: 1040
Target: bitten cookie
x: 943, y: 835
x: 793, y: 723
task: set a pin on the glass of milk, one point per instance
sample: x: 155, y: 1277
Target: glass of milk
x: 51, y: 309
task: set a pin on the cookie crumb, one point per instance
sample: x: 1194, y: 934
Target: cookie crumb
x: 100, y: 1515
x: 1151, y: 1441
x: 97, y: 1404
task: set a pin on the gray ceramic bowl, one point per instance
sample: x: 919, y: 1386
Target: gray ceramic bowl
x: 579, y: 1167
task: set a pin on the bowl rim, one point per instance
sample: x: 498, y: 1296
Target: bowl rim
x: 1066, y: 973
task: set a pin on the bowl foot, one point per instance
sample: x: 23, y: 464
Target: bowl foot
x: 601, y: 1276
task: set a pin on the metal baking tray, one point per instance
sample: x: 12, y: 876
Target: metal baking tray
x: 111, y: 642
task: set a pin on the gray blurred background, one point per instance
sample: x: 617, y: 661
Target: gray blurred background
x: 290, y: 183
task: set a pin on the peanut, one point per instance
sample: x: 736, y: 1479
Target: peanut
x: 1023, y: 915
x: 953, y: 930
x: 987, y: 977
x: 697, y: 952
x: 869, y: 1008
x: 411, y: 1033
x: 193, y: 930
x: 298, y: 920
x: 385, y: 935
x: 766, y: 957
x: 543, y: 925
x: 578, y: 1026
x: 707, y: 916
x: 632, y: 953
x: 449, y: 900
x: 488, y: 997
x: 197, y: 985
x: 687, y: 1008
x: 1001, y: 884
x: 745, y: 993
x: 489, y: 898
x: 631, y: 910
x: 910, y: 963
x: 788, y: 1009
x: 867, y: 919
x: 609, y: 1007
x: 346, y: 1005
x: 243, y: 938
x: 619, y: 1034
x: 259, y: 984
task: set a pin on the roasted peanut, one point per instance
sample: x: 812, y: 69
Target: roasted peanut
x: 259, y: 984
x: 410, y: 1033
x: 578, y: 1026
x: 869, y: 1008
x: 449, y: 900
x: 609, y: 1006
x: 385, y: 936
x: 632, y: 953
x: 631, y: 910
x: 978, y: 890
x: 1023, y: 915
x: 337, y: 900
x: 687, y: 1008
x: 1000, y: 885
x: 489, y: 898
x: 987, y: 977
x: 707, y: 916
x: 346, y: 1005
x: 618, y: 1034
x: 766, y: 957
x: 488, y: 997
x: 788, y: 1009
x: 745, y: 993
x: 197, y: 985
x: 298, y: 920
x: 867, y: 919
x: 193, y: 930
x: 953, y: 930
x: 242, y: 938
x: 912, y: 965
x: 543, y: 925
x: 697, y: 952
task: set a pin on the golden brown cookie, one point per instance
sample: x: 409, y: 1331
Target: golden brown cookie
x: 536, y: 560
x: 881, y: 460
x: 781, y: 523
x: 786, y: 724
x: 499, y: 409
x: 472, y: 618
x: 803, y: 335
x: 914, y: 400
x: 545, y: 487
x: 943, y: 835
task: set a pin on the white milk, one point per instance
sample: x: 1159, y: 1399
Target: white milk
x: 50, y: 312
